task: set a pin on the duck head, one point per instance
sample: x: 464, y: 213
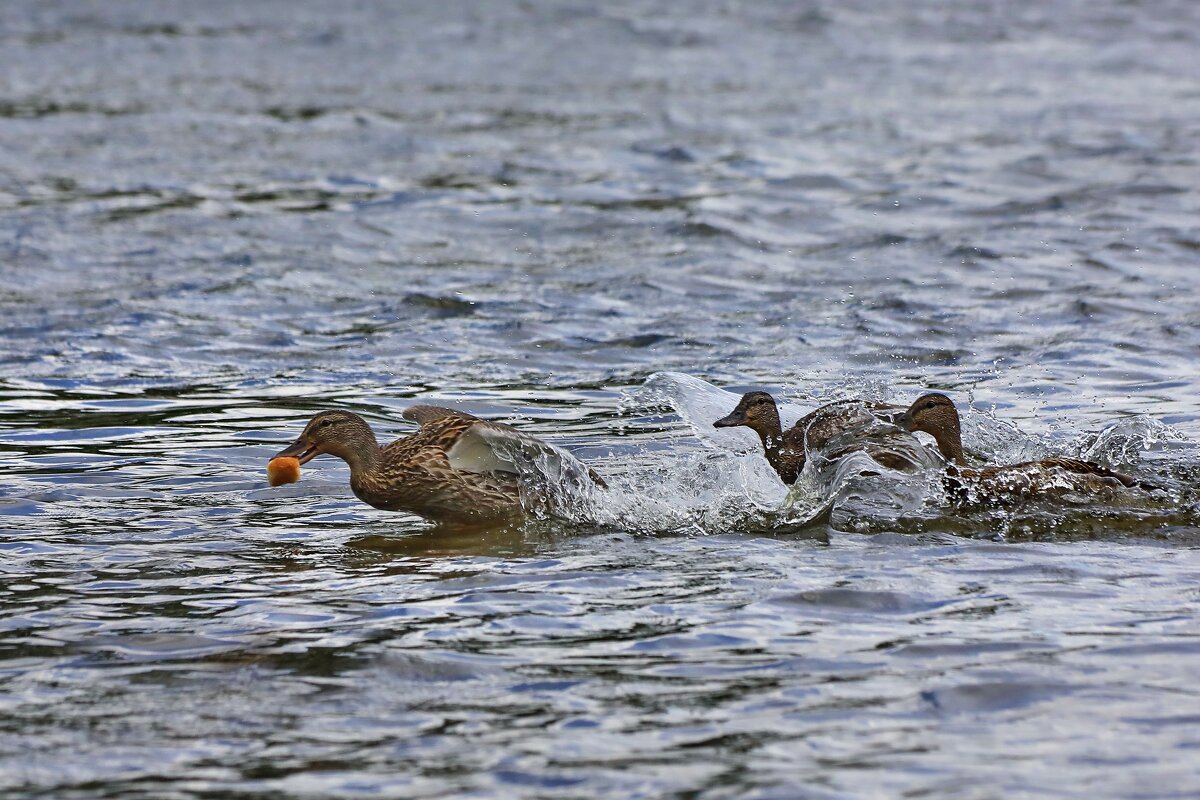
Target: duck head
x: 338, y: 433
x: 757, y: 411
x: 936, y: 415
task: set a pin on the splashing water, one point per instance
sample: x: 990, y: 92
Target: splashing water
x: 698, y: 403
x: 552, y: 481
x: 729, y: 482
x: 726, y: 481
x: 1125, y: 442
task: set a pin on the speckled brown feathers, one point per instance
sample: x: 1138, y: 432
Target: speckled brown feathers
x: 936, y: 415
x: 415, y: 475
x: 454, y: 468
x: 1033, y: 478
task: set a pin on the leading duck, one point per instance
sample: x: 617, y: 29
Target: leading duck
x: 455, y: 469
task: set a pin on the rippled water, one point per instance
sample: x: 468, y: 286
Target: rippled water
x: 582, y: 218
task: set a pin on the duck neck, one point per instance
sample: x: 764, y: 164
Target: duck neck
x: 949, y: 442
x: 770, y: 431
x: 365, y: 461
x: 361, y: 452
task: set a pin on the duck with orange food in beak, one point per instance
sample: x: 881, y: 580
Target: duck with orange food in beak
x: 455, y: 468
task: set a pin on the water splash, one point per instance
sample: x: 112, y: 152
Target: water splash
x: 701, y: 492
x: 868, y: 464
x: 552, y: 482
x: 726, y: 481
x: 731, y: 483
x: 698, y: 404
x: 1126, y: 441
x: 988, y: 439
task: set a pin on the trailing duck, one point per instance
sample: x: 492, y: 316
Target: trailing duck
x: 937, y: 415
x: 832, y: 431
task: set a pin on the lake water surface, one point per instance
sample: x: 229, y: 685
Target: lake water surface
x: 582, y: 219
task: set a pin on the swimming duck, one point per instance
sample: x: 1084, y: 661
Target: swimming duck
x: 836, y: 430
x: 456, y: 468
x: 937, y: 415
x: 785, y: 449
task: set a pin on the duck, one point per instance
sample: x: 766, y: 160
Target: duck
x: 455, y: 469
x: 784, y: 449
x: 835, y: 430
x: 936, y: 415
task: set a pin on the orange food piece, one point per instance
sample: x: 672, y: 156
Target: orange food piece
x: 283, y: 470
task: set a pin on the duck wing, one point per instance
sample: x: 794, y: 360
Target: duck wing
x: 886, y: 411
x: 1032, y: 478
x: 440, y: 430
x: 818, y: 428
x: 482, y: 447
x: 836, y: 430
x: 1087, y: 468
x: 496, y: 447
x: 827, y: 421
x: 426, y: 415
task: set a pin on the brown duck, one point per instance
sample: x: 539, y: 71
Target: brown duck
x: 456, y: 468
x: 839, y: 428
x: 936, y: 415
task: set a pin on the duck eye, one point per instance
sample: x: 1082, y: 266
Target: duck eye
x: 325, y: 423
x: 930, y: 404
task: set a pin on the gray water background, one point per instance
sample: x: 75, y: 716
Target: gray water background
x: 217, y: 218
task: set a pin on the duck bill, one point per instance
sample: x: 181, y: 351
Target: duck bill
x: 904, y: 421
x: 299, y: 449
x: 731, y: 421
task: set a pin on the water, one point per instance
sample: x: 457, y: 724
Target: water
x: 581, y: 219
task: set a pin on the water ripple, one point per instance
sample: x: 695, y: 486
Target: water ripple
x: 600, y: 224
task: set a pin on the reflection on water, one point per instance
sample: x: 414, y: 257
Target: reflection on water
x: 583, y: 219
